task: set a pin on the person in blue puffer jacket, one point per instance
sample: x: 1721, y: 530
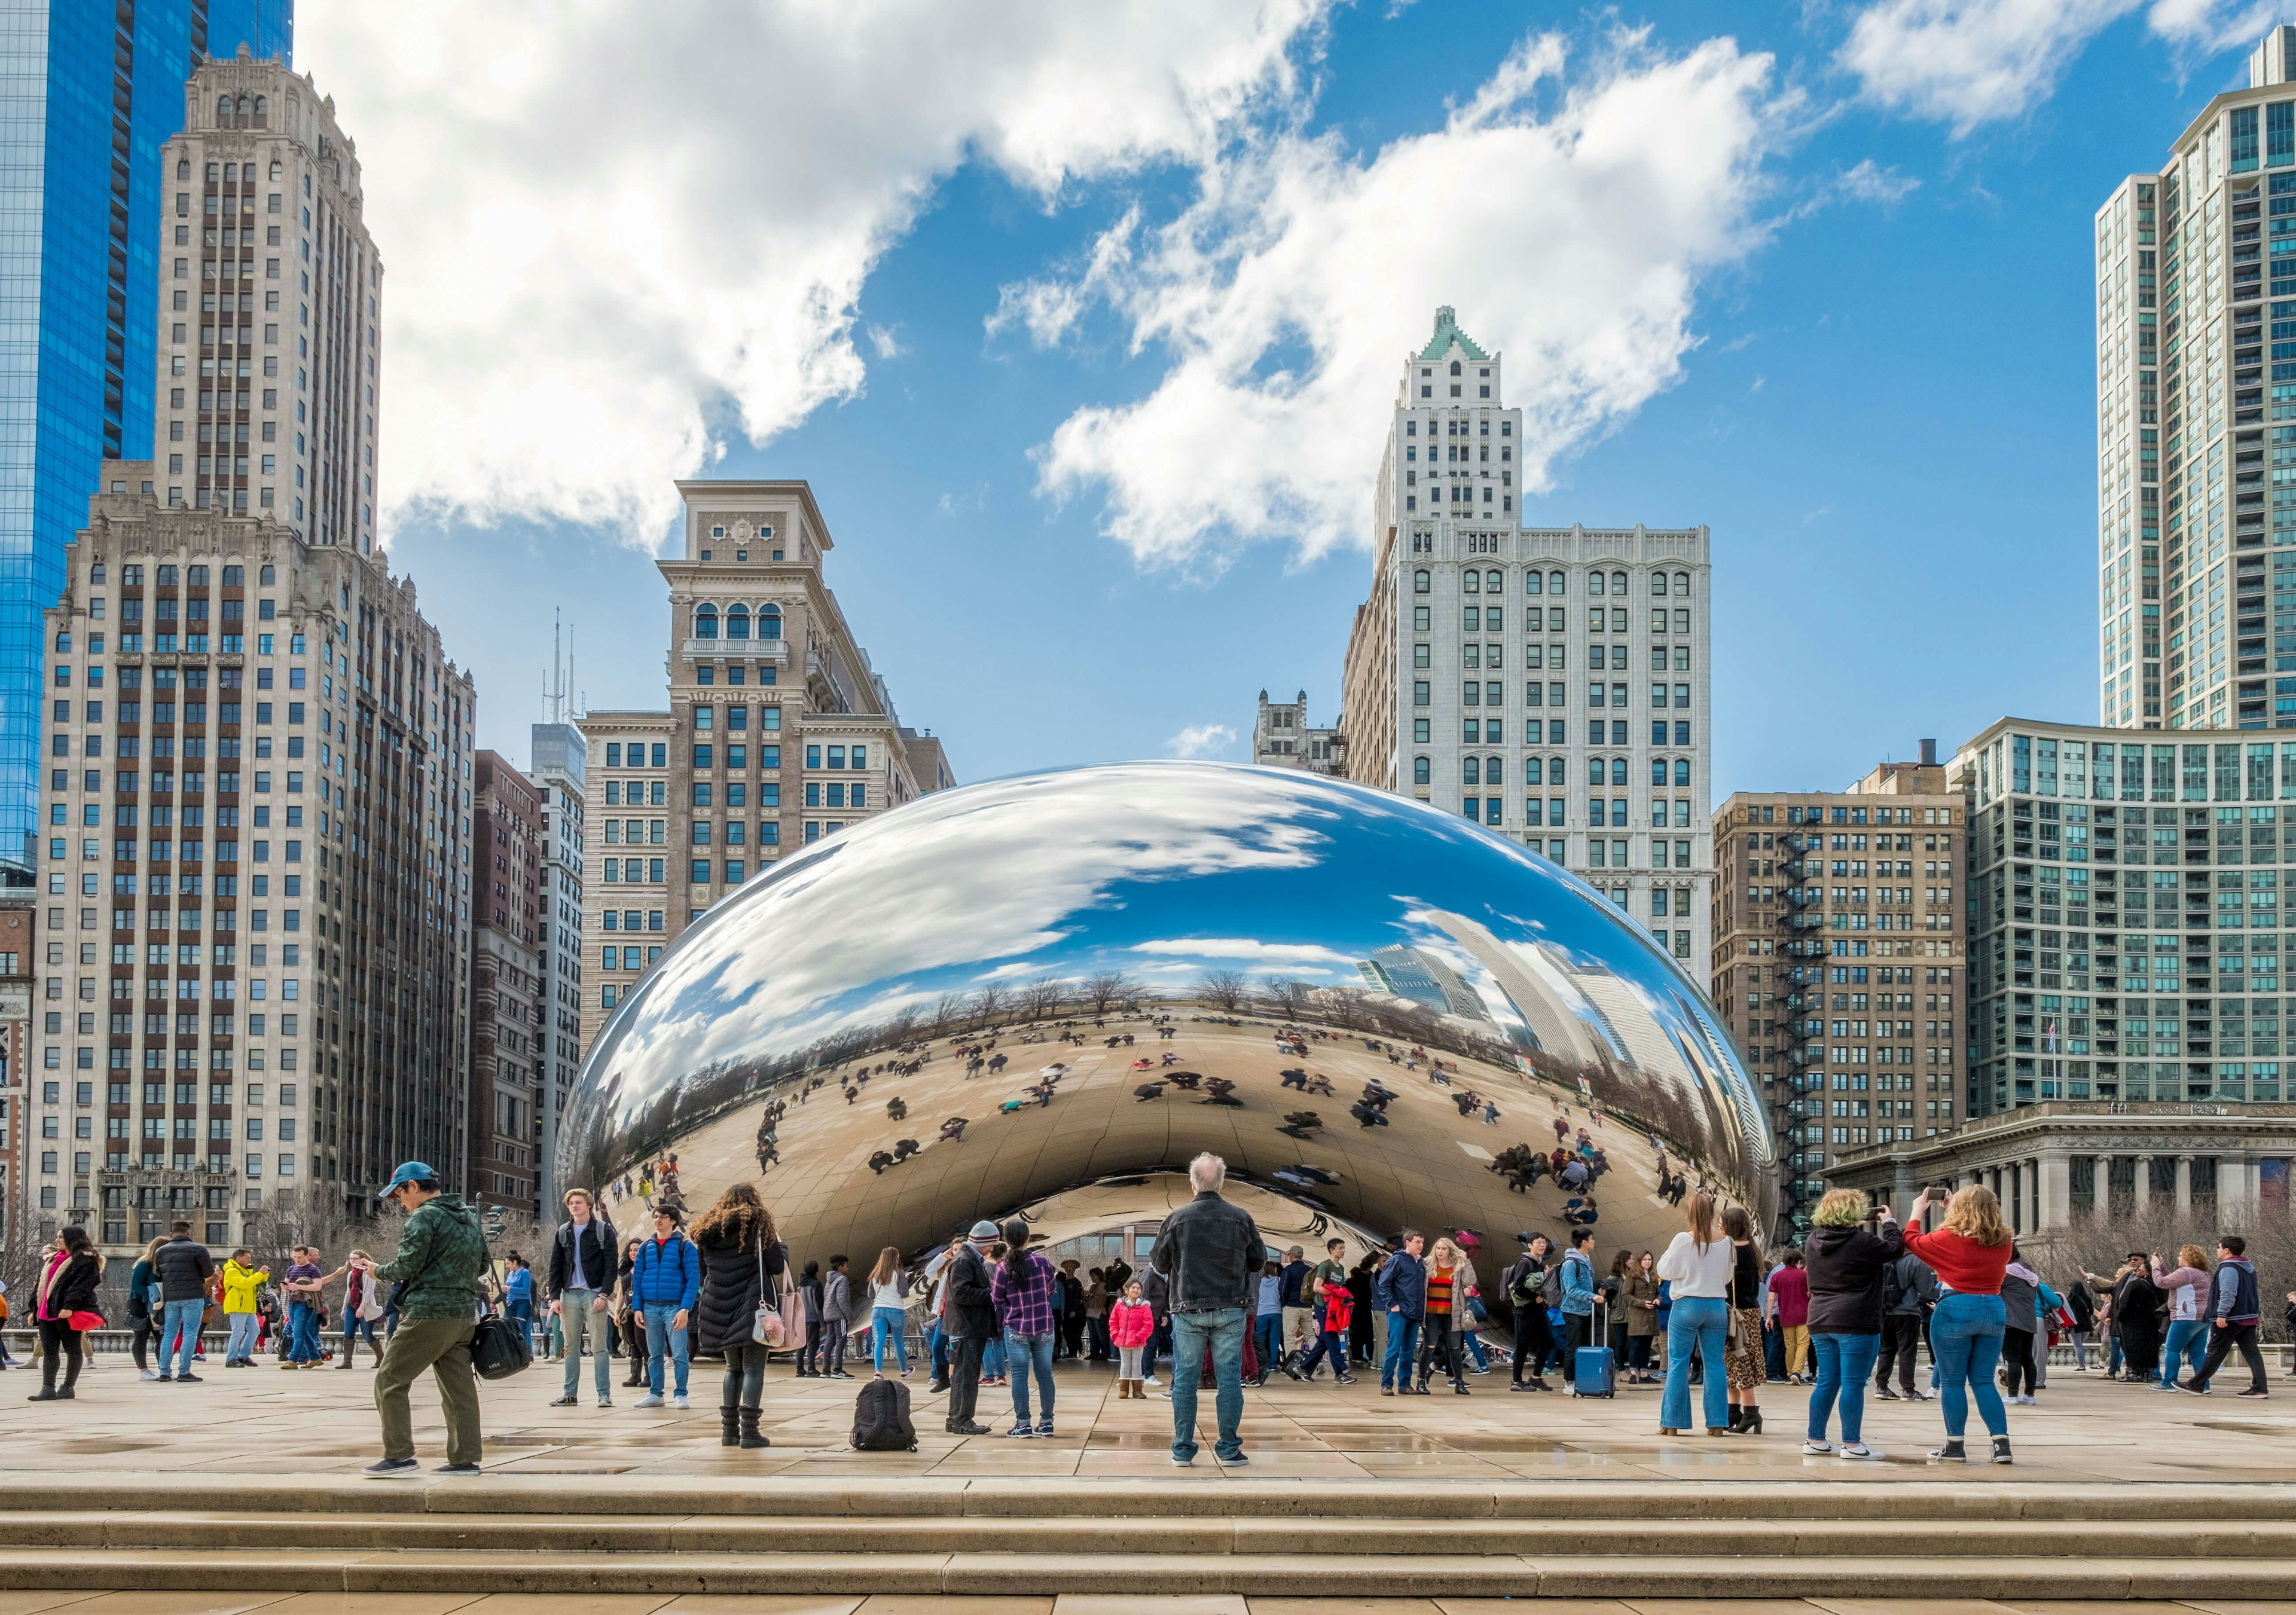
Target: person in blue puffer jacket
x: 665, y: 1283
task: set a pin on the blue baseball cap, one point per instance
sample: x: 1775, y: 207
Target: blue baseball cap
x: 409, y: 1172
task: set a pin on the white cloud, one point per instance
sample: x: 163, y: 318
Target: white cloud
x: 1570, y: 224
x: 614, y: 233
x: 1869, y: 182
x: 1200, y: 739
x: 1244, y: 947
x: 1969, y: 62
x: 886, y: 342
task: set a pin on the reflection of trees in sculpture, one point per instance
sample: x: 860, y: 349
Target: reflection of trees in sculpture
x: 988, y: 1003
x: 1107, y: 988
x: 1042, y: 997
x: 1286, y: 998
x: 1222, y: 989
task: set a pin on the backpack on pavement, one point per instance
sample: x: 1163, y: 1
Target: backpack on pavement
x: 880, y: 1418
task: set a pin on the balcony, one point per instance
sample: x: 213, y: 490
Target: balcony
x: 774, y: 651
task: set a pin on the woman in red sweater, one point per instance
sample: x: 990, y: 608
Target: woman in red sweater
x: 1969, y: 1254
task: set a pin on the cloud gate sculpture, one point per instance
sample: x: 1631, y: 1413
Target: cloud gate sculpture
x: 1003, y: 994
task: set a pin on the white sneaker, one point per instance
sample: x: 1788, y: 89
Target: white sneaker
x: 650, y: 1400
x: 1152, y: 1380
x: 1818, y: 1449
x: 151, y: 1373
x: 1859, y: 1451
x: 677, y: 1401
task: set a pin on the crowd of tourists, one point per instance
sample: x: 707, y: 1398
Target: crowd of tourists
x: 1852, y: 1307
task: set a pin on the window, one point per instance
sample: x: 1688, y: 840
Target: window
x: 1422, y: 583
x: 705, y: 622
x: 1419, y: 775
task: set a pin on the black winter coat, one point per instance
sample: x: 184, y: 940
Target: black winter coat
x: 726, y: 1312
x: 970, y: 1314
x: 74, y: 1289
x: 183, y: 1266
x: 1846, y: 1266
x: 601, y: 1253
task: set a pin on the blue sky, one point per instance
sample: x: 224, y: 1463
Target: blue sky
x: 1835, y: 304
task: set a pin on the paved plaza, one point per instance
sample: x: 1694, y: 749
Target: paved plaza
x: 264, y: 1422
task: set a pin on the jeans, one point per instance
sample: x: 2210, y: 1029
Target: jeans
x: 2188, y: 1342
x: 1222, y: 1331
x: 1475, y: 1345
x: 243, y: 1336
x: 1843, y: 1362
x: 1699, y: 1321
x: 1394, y: 1368
x: 662, y: 1339
x: 578, y: 1315
x: 303, y: 1334
x: 2080, y: 1338
x: 889, y: 1323
x: 1022, y: 1351
x: 1268, y: 1340
x: 1331, y: 1344
x: 179, y: 1334
x: 523, y: 1312
x: 936, y: 1344
x: 1965, y: 1340
x: 992, y: 1358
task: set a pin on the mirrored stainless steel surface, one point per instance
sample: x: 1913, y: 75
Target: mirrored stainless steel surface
x: 1004, y: 992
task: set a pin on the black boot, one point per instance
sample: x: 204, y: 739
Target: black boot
x: 729, y: 1434
x: 749, y: 1436
x: 1737, y: 1418
x: 1749, y: 1422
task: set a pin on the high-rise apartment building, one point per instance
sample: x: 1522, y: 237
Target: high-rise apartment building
x: 507, y: 1035
x: 778, y: 733
x: 93, y: 90
x: 2195, y: 283
x: 255, y: 866
x: 18, y: 970
x: 1550, y: 684
x: 1281, y: 738
x: 2127, y: 941
x: 557, y: 773
x: 1839, y: 963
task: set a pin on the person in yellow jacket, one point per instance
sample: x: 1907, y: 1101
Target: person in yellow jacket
x: 242, y: 1282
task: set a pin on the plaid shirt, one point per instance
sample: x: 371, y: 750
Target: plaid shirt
x: 1025, y: 1308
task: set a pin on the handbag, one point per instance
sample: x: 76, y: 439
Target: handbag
x: 500, y: 1347
x: 766, y: 1328
x: 84, y: 1321
x: 1730, y: 1308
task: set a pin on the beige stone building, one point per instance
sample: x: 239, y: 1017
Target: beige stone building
x: 254, y: 875
x: 1283, y: 738
x: 270, y: 317
x: 1550, y: 684
x: 2063, y: 1161
x: 1839, y: 963
x: 255, y: 879
x: 778, y: 734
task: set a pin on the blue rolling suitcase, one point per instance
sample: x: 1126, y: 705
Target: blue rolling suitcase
x: 1592, y: 1372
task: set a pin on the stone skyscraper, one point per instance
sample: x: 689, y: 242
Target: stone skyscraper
x: 1550, y: 684
x: 254, y: 881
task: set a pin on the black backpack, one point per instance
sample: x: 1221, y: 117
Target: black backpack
x: 880, y: 1418
x: 500, y: 1347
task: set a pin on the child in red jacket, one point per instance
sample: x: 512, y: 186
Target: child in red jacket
x: 1131, y: 1325
x: 1339, y: 1313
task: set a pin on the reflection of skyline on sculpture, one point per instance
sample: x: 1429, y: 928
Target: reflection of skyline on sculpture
x: 1185, y: 890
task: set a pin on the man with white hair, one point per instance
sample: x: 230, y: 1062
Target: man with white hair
x: 1210, y: 1250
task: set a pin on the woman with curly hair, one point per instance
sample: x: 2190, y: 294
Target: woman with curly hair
x: 744, y: 1266
x: 1970, y: 1254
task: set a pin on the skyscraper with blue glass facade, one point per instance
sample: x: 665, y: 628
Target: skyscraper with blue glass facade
x: 89, y: 90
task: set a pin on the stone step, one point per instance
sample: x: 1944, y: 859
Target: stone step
x: 1458, y: 1573
x: 1950, y: 1496
x: 1200, y: 1536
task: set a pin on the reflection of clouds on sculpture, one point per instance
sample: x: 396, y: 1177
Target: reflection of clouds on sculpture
x: 1382, y: 921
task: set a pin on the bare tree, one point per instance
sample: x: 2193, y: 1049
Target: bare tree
x: 947, y: 1011
x: 1107, y: 988
x: 1043, y: 996
x: 314, y: 1214
x: 1286, y: 997
x: 1223, y: 988
x: 990, y: 1002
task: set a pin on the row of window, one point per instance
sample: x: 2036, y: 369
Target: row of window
x: 1476, y: 693
x: 1538, y: 771
x: 1554, y: 732
x: 737, y: 622
x: 1538, y: 583
x: 117, y: 1161
x: 1555, y: 657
